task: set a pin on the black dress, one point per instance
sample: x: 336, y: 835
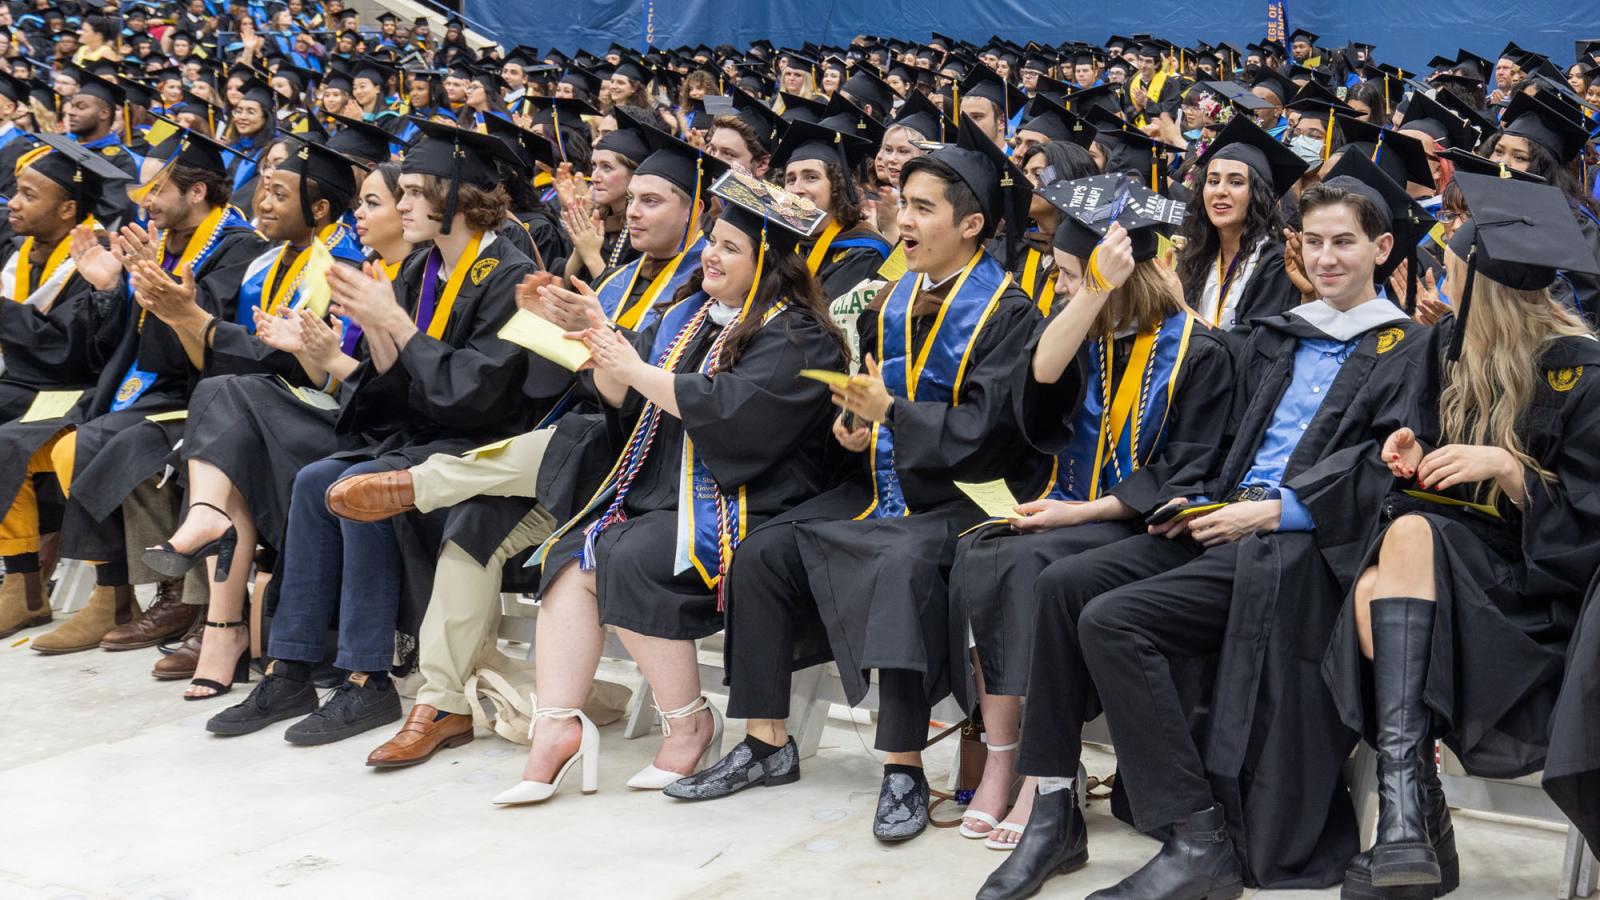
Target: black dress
x: 762, y: 394
x: 991, y: 584
x: 1509, y: 589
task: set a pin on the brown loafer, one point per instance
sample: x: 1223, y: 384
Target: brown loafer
x: 372, y: 497
x: 182, y: 662
x: 167, y: 618
x: 421, y: 737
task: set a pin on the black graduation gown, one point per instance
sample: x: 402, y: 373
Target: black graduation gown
x: 547, y: 236
x: 513, y: 232
x: 762, y: 394
x: 1580, y: 290
x: 890, y: 611
x: 991, y: 583
x: 843, y: 269
x: 1269, y: 292
x: 1509, y: 590
x: 117, y: 451
x: 1275, y: 745
x: 1572, y: 767
x: 62, y: 349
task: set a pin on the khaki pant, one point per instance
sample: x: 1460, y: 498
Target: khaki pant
x: 149, y: 516
x: 465, y: 607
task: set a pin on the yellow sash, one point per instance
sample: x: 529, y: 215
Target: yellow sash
x: 25, y: 268
x: 819, y: 251
x: 277, y: 292
x: 629, y: 317
x: 1152, y: 92
x: 441, y: 310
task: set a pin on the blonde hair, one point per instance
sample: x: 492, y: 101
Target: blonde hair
x: 1143, y: 302
x: 1489, y: 387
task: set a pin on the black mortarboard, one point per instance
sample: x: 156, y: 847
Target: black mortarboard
x: 1300, y: 34
x: 1271, y: 79
x: 1105, y: 97
x: 13, y: 88
x: 458, y: 156
x: 102, y: 89
x: 984, y: 82
x: 801, y: 109
x: 1519, y: 235
x: 815, y: 141
x: 362, y: 140
x: 1130, y: 150
x: 633, y: 68
x: 843, y: 116
x: 1528, y: 117
x: 1090, y: 205
x: 1400, y: 156
x: 304, y: 80
x: 920, y: 115
x: 1003, y: 191
x: 866, y: 87
x: 1482, y: 165
x: 691, y: 171
x: 338, y: 79
x: 372, y: 70
x: 1051, y: 119
x: 255, y: 89
x: 81, y: 172
x: 628, y: 140
x: 1407, y: 220
x: 1045, y: 86
x: 328, y: 168
x: 766, y: 212
x: 1427, y: 115
x: 191, y: 148
x: 529, y: 147
x: 1245, y: 141
x: 759, y: 116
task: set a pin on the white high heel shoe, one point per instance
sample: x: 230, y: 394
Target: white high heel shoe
x: 652, y: 778
x: 588, y: 753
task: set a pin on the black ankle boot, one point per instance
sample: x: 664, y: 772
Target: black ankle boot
x: 1056, y: 842
x: 1196, y: 863
x: 1402, y: 634
x: 1441, y: 833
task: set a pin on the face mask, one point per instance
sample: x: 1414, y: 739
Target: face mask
x: 1192, y: 135
x: 1307, y: 147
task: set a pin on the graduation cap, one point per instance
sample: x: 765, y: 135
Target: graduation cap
x: 1244, y: 141
x: 304, y: 80
x: 691, y: 171
x: 920, y: 115
x: 1444, y: 125
x: 1400, y: 156
x: 1520, y: 234
x: 338, y: 79
x: 1130, y: 150
x: 81, y: 172
x: 759, y: 116
x: 1229, y: 92
x: 1106, y: 98
x: 866, y: 87
x: 13, y: 88
x: 458, y: 156
x: 179, y: 146
x: 817, y: 141
x: 1466, y: 161
x: 772, y: 217
x: 1405, y: 218
x: 1273, y: 80
x: 103, y: 89
x: 1003, y: 191
x: 1530, y: 118
x: 362, y: 140
x: 1049, y: 118
x: 628, y: 140
x: 984, y: 82
x: 1314, y: 99
x: 1300, y: 34
x: 371, y: 69
x: 843, y: 116
x: 331, y: 169
x: 528, y: 147
x: 583, y: 80
x: 1090, y: 206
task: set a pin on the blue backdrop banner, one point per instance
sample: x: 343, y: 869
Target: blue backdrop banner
x: 1406, y: 36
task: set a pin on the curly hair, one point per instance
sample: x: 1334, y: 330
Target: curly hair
x: 1202, y: 242
x: 485, y: 209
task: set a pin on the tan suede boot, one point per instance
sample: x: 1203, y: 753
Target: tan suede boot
x: 22, y: 603
x: 85, y: 629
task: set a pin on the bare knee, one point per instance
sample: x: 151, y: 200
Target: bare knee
x: 1409, y: 540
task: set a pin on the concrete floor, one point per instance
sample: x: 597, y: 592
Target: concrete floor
x: 111, y: 788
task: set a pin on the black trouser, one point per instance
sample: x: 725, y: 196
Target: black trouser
x: 1129, y: 635
x: 771, y: 605
x: 1061, y: 695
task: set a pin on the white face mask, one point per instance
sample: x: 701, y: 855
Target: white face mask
x: 1307, y: 147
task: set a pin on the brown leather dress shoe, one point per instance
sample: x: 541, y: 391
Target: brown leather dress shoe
x: 168, y: 617
x: 182, y: 662
x: 372, y: 497
x: 421, y: 737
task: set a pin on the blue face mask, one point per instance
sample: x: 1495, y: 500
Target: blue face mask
x: 1192, y: 135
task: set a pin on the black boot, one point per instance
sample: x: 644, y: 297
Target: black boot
x: 1196, y: 863
x: 1402, y: 634
x: 1441, y: 833
x: 1056, y: 842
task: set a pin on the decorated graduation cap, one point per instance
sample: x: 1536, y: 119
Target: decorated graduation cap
x: 1003, y: 191
x: 1405, y: 218
x: 1090, y: 206
x: 82, y: 173
x: 984, y: 82
x: 1520, y: 234
x: 362, y: 140
x: 458, y: 156
x: 920, y: 115
x: 1244, y: 141
x: 1049, y: 118
x: 774, y: 219
x: 1530, y: 118
x: 690, y: 170
x: 1400, y: 156
x: 1427, y: 115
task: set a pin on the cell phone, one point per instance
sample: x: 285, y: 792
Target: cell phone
x: 849, y: 421
x: 1164, y: 515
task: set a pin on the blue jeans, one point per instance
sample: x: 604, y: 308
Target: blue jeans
x: 330, y: 565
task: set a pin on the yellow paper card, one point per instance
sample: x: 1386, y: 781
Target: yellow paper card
x: 894, y: 268
x: 545, y: 338
x: 1442, y: 500
x: 490, y: 449
x: 176, y: 415
x: 310, y: 397
x: 51, y: 405
x: 828, y: 377
x: 993, y: 497
x: 315, y: 294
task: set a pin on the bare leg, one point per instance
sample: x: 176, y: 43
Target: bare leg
x: 1405, y: 569
x: 1363, y: 609
x: 673, y: 671
x: 220, y: 648
x: 567, y: 643
x: 1002, y: 721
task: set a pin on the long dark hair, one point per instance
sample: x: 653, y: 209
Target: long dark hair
x: 784, y: 276
x: 1543, y: 163
x: 1202, y: 242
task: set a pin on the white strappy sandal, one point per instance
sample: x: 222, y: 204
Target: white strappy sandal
x: 588, y: 752
x: 985, y: 818
x: 653, y: 778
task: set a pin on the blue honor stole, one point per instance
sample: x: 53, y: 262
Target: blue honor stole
x: 1117, y: 429
x: 939, y: 367
x: 614, y: 291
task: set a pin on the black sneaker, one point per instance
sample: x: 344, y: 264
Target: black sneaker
x: 276, y: 698
x: 357, y: 705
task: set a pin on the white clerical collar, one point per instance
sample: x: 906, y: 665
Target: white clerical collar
x: 1343, y: 326
x: 721, y: 313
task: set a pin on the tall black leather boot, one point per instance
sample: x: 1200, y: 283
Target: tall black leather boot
x: 1402, y: 635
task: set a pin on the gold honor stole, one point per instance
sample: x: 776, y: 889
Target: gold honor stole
x: 819, y: 251
x: 58, y: 255
x: 1044, y: 295
x: 437, y: 308
x: 616, y: 288
x: 937, y: 368
x: 276, y: 292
